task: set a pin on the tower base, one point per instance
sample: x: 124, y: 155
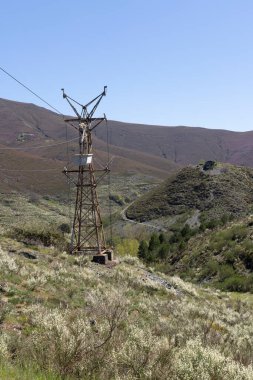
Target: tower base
x: 109, y: 253
x: 100, y: 259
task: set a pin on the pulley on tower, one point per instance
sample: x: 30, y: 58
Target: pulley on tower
x: 87, y: 237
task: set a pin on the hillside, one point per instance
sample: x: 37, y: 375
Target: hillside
x: 198, y: 194
x: 222, y: 257
x: 145, y: 149
x: 205, y: 214
x: 33, y: 140
x: 183, y: 145
x: 65, y: 318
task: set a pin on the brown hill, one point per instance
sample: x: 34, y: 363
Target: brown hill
x: 26, y: 124
x: 35, y: 123
x: 38, y: 137
x: 183, y: 145
x: 148, y: 149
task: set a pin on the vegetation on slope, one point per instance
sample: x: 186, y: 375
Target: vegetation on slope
x: 64, y: 318
x: 225, y: 189
x: 221, y: 256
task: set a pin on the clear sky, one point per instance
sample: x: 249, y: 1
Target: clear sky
x: 168, y: 62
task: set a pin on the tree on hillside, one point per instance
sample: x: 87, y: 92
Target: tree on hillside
x: 143, y: 252
x: 162, y: 238
x: 64, y: 228
x: 154, y: 242
x: 186, y: 230
x: 163, y: 251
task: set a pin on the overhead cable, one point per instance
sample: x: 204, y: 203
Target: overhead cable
x: 32, y: 92
x: 28, y: 170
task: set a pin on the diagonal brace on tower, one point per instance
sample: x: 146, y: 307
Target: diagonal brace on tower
x: 87, y: 230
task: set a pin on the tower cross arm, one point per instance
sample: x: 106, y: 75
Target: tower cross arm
x: 84, y: 119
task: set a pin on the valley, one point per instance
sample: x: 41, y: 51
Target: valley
x: 178, y: 302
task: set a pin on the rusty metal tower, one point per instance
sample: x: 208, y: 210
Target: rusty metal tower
x: 87, y: 236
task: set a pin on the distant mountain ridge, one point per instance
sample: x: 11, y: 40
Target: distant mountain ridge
x: 180, y: 144
x: 183, y: 145
x: 149, y: 149
x: 39, y: 136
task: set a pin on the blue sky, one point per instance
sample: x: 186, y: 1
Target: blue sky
x: 168, y: 62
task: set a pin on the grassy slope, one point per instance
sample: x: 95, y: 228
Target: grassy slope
x: 62, y: 317
x: 91, y: 322
x: 17, y: 209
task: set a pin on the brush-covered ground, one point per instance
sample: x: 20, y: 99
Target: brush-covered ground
x: 115, y: 193
x: 62, y: 317
x: 221, y: 256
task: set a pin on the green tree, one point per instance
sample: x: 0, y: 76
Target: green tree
x: 163, y: 251
x: 64, y: 228
x: 154, y: 242
x: 162, y: 238
x: 127, y: 247
x: 186, y: 231
x: 143, y: 250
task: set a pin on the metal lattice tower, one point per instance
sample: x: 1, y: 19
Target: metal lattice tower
x: 87, y: 230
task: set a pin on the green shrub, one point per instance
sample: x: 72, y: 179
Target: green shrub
x: 65, y: 228
x: 224, y: 219
x: 225, y: 271
x: 238, y: 283
x: 247, y: 258
x: 117, y: 199
x: 210, y: 270
x: 127, y: 247
x: 211, y: 224
x: 239, y: 233
x: 230, y: 257
x: 46, y: 236
x: 176, y: 238
x: 186, y: 230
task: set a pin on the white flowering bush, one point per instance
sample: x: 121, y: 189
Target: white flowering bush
x: 71, y: 342
x: 86, y: 321
x: 182, y: 285
x: 7, y: 263
x: 4, y: 352
x: 195, y: 362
